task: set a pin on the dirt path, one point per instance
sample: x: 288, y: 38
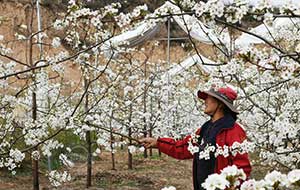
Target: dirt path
x: 148, y: 174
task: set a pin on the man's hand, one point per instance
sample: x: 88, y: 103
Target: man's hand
x: 149, y: 142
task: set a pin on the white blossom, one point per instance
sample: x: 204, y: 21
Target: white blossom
x: 56, y: 42
x: 63, y: 158
x: 132, y: 149
x: 214, y: 182
x: 169, y: 188
x: 60, y: 24
x: 20, y: 36
x: 57, y: 178
x: 275, y: 177
x: 294, y: 176
x: 98, y: 151
x: 35, y: 155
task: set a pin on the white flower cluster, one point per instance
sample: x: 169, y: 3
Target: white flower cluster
x: 241, y: 148
x: 60, y: 24
x: 104, y: 141
x: 57, y: 178
x: 187, y: 4
x: 50, y: 145
x: 215, y: 182
x: 160, y: 13
x: 125, y: 19
x: 6, y: 67
x: 205, y: 154
x: 20, y: 36
x: 56, y: 42
x: 33, y: 134
x: 57, y: 58
x: 169, y: 188
x: 112, y: 8
x: 132, y: 149
x: 235, y: 10
x: 13, y: 161
x: 64, y: 159
x: 83, y: 12
x: 215, y: 8
x: 96, y: 21
x: 275, y: 180
x: 97, y: 152
x: 3, y: 49
x: 35, y: 155
x: 234, y: 175
x: 209, y: 150
x: 212, y: 83
x: 230, y: 178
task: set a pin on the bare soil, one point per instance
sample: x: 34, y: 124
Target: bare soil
x: 148, y: 174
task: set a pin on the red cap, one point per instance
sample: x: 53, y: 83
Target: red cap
x: 228, y: 92
x: 227, y: 95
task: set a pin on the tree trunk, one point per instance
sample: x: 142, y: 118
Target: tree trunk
x: 35, y: 163
x: 88, y: 141
x: 129, y: 154
x: 113, y: 161
x: 111, y: 144
x: 89, y: 160
x: 145, y: 108
x: 122, y: 146
x: 150, y: 135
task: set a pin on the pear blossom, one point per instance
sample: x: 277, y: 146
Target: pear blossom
x: 265, y: 77
x: 294, y: 176
x: 275, y: 177
x: 57, y: 178
x: 35, y: 155
x: 132, y: 149
x: 56, y: 42
x: 214, y: 182
x: 169, y: 188
x: 63, y: 158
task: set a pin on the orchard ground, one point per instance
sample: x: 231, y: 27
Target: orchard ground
x: 148, y: 174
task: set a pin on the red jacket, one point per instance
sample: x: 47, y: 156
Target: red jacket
x: 227, y: 136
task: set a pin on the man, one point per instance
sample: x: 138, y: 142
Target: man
x: 220, y: 130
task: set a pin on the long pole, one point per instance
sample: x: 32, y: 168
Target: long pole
x: 39, y: 19
x: 35, y: 163
x: 168, y: 75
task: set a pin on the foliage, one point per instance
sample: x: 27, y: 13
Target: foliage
x: 125, y: 94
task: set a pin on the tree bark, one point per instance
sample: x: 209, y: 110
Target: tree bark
x: 88, y: 142
x: 129, y: 153
x: 111, y: 144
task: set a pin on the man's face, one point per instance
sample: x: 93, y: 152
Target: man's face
x: 211, y: 104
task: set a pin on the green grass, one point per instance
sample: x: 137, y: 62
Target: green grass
x: 155, y: 156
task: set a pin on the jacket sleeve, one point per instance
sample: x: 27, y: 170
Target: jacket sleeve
x: 175, y: 148
x: 240, y: 160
